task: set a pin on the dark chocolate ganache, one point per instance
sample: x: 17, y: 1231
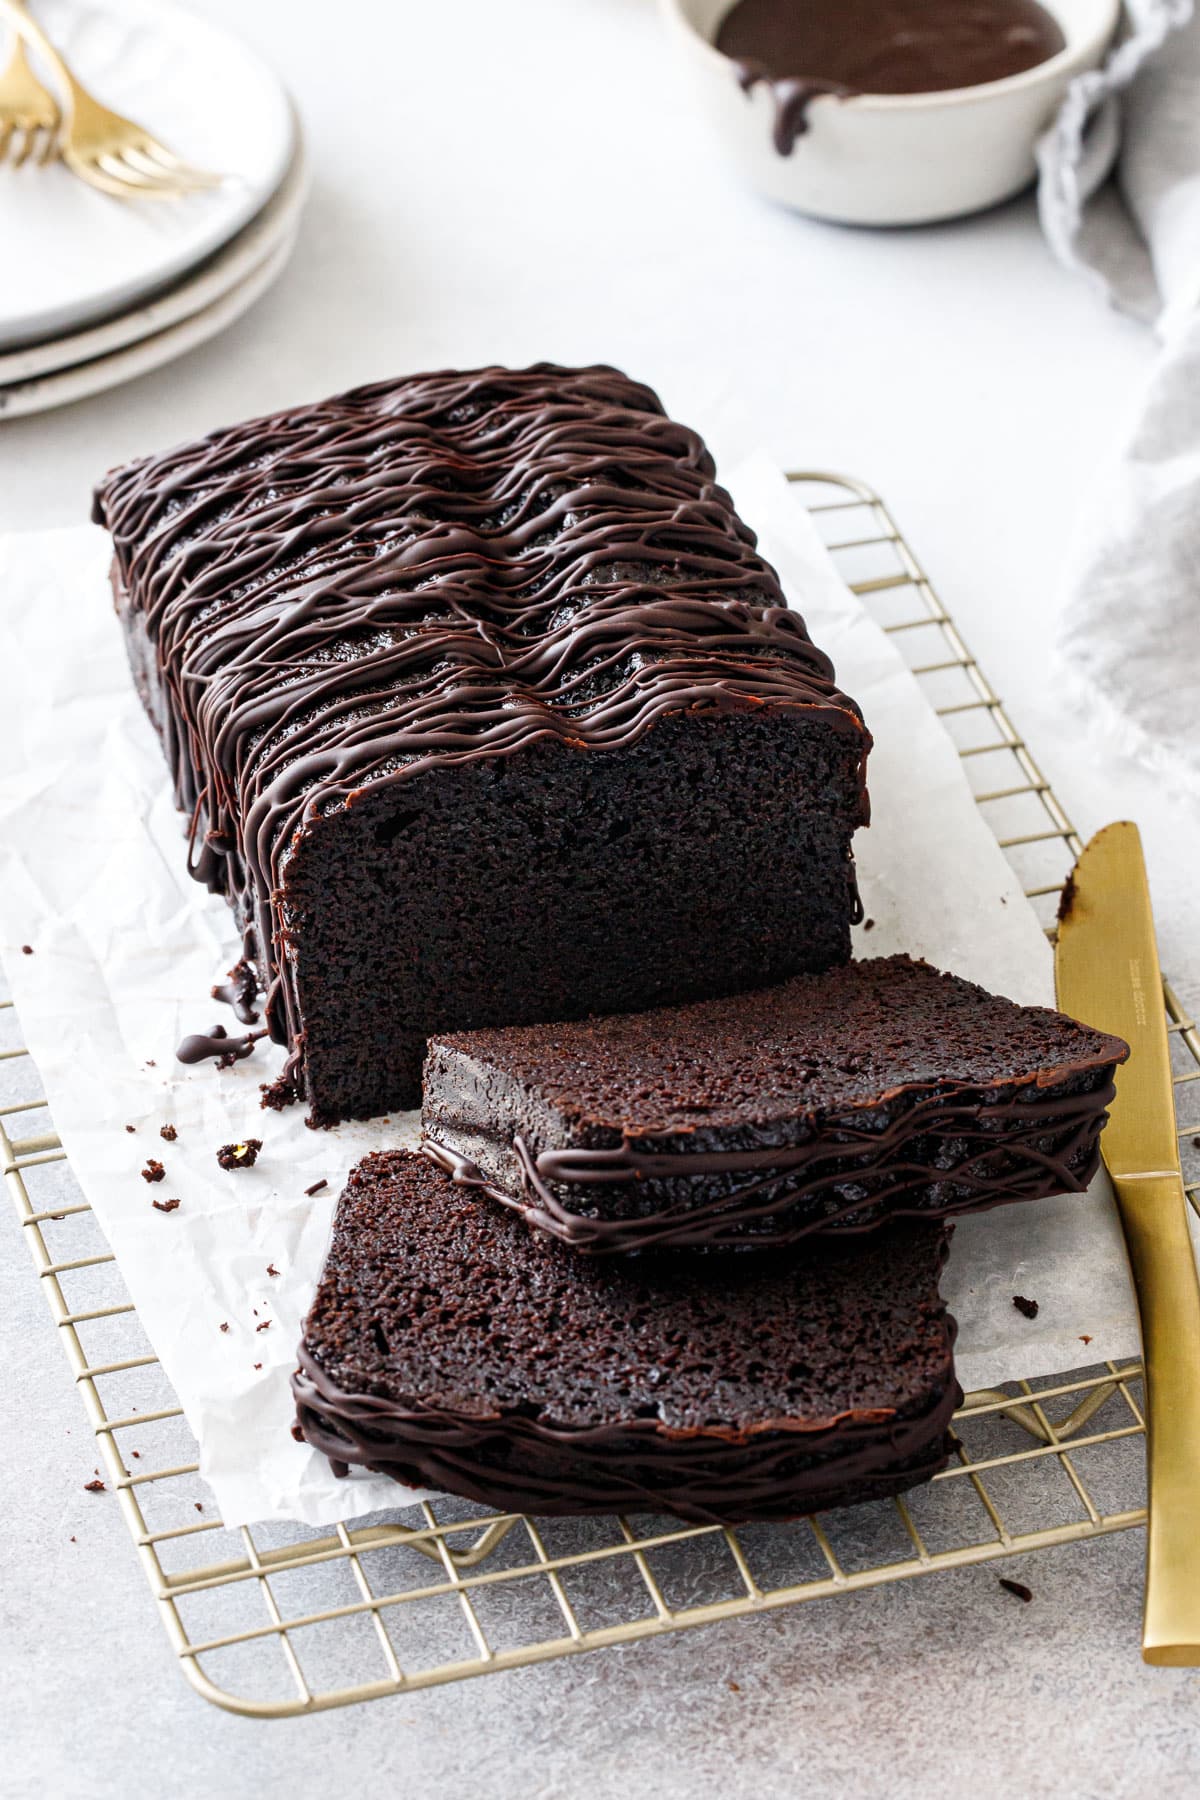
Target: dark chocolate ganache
x: 805, y: 48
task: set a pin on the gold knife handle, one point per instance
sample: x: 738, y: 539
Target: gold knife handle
x: 1153, y: 1212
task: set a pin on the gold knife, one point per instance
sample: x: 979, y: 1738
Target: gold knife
x: 1107, y: 974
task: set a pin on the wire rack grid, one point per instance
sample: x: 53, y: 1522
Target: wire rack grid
x: 276, y: 1620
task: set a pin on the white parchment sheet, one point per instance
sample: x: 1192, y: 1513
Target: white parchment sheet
x: 126, y: 947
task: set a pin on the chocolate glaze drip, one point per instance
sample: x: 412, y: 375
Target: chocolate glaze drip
x: 201, y: 1046
x: 792, y: 96
x: 849, y: 47
x: 240, y: 991
x: 842, y: 1178
x: 425, y: 572
x: 778, y: 1469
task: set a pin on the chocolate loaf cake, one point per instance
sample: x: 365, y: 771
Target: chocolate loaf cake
x: 827, y: 1104
x: 451, y: 1348
x: 483, y: 709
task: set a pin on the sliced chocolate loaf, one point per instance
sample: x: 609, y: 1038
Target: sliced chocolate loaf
x: 451, y: 1348
x: 828, y: 1104
x: 483, y: 709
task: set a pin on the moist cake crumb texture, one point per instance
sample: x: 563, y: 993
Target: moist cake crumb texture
x: 450, y: 1346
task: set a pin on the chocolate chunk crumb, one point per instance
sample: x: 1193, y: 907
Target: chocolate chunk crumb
x: 239, y: 1156
x: 164, y: 1205
x: 265, y: 1326
x: 131, y: 1128
x: 137, y: 1454
x: 316, y: 1188
x: 168, y: 1133
x: 150, y: 1063
x: 224, y: 1325
x: 734, y: 1688
x: 197, y: 1506
x: 271, y: 1269
x: 153, y: 1170
x: 72, y: 1537
x: 1028, y: 1307
x: 94, y: 1487
x: 278, y: 1094
x: 1016, y: 1587
x: 26, y: 949
x: 258, y: 1365
x: 868, y: 924
x: 1084, y: 1338
x: 1196, y: 1143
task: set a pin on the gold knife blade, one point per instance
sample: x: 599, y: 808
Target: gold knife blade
x: 1107, y: 974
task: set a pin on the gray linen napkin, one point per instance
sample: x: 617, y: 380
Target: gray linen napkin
x: 1131, y: 626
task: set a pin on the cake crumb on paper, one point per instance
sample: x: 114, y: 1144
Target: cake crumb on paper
x: 164, y: 1205
x: 1028, y: 1307
x: 1015, y: 1587
x: 153, y: 1170
x: 239, y: 1156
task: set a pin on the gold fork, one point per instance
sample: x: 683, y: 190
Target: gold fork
x: 29, y: 115
x: 105, y: 150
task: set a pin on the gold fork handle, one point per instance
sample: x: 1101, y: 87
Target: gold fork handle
x: 27, y: 27
x: 1153, y: 1211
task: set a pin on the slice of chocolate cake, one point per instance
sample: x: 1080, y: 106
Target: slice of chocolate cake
x: 483, y: 709
x: 451, y: 1348
x: 828, y: 1104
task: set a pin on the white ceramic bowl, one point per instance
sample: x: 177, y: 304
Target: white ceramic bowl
x: 892, y: 159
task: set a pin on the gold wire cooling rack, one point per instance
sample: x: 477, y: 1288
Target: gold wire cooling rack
x: 275, y: 1620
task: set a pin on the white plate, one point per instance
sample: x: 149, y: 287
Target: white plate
x: 216, y: 276
x: 48, y: 391
x: 72, y: 255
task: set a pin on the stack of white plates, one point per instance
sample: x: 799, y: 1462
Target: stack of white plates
x: 98, y: 290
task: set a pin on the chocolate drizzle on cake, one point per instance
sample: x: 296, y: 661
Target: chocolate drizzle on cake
x: 426, y: 574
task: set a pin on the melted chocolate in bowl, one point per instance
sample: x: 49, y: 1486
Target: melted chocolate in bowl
x: 805, y: 48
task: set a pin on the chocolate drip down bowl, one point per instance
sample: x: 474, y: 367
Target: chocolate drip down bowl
x: 819, y: 141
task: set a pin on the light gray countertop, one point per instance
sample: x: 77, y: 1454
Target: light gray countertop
x: 533, y: 184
